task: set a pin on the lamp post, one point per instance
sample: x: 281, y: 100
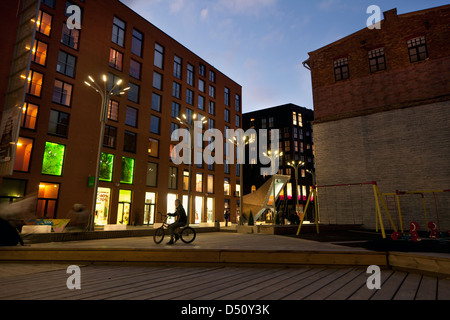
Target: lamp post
x: 106, y: 96
x: 241, y: 143
x: 272, y: 157
x: 296, y: 165
x: 189, y: 125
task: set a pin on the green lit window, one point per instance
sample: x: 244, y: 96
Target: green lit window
x: 106, y: 167
x: 53, y: 159
x: 126, y: 175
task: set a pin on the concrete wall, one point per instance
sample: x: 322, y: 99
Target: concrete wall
x: 405, y: 149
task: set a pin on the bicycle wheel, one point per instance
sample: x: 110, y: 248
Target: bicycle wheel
x: 188, y: 235
x: 158, y: 237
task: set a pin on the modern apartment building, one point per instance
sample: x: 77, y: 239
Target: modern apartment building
x: 296, y: 144
x: 58, y: 138
x: 382, y: 113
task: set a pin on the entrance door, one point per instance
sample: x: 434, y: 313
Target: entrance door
x: 149, y: 208
x: 124, y: 207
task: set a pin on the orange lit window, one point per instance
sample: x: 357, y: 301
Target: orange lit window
x: 29, y: 115
x: 35, y: 83
x: 39, y: 53
x: 44, y: 23
x: 47, y: 198
x: 23, y: 154
x: 115, y: 59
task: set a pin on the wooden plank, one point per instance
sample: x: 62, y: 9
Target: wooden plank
x: 259, y: 276
x: 166, y: 279
x: 349, y: 288
x: 296, y: 275
x: 261, y: 286
x: 390, y: 286
x: 443, y: 289
x: 333, y: 274
x: 203, y: 291
x: 427, y: 289
x: 364, y: 293
x: 334, y: 286
x: 308, y: 277
x: 408, y: 289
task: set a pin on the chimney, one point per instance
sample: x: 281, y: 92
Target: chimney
x: 390, y: 14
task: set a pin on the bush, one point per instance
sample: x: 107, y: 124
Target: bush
x: 251, y: 222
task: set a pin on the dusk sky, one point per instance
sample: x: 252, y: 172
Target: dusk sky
x: 261, y: 44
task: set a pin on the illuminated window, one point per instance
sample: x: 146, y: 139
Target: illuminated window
x: 106, y: 167
x: 210, y: 182
x: 152, y: 174
x: 124, y: 207
x: 62, y: 93
x: 39, y: 52
x: 115, y: 59
x: 52, y: 163
x: 70, y: 37
x: 113, y: 110
x: 226, y: 187
x: 44, y: 23
x: 29, y: 115
x: 185, y: 180
x: 153, y: 147
x: 150, y: 208
x: 294, y: 118
x: 199, y: 182
x: 47, y: 199
x: 253, y: 189
x: 173, y: 178
x: 12, y: 190
x: 300, y: 120
x: 127, y: 172
x: 34, y: 86
x: 23, y: 154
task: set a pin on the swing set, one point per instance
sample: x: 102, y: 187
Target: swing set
x: 380, y: 204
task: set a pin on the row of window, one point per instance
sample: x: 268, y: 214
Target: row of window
x: 417, y: 49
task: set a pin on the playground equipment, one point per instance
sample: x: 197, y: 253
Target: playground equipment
x: 345, y: 196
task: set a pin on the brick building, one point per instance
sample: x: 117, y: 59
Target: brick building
x: 382, y: 113
x: 59, y: 131
x: 296, y: 142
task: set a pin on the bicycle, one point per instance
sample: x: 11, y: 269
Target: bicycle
x: 186, y: 234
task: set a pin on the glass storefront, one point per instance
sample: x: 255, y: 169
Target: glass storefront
x: 149, y: 208
x: 124, y: 207
x: 210, y: 210
x: 198, y: 209
x: 102, y: 206
x: 171, y: 197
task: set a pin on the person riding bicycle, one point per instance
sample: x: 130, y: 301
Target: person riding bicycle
x: 181, y: 221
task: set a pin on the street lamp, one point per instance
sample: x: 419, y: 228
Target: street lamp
x: 189, y: 124
x: 241, y: 143
x: 296, y: 165
x: 106, y: 96
x: 273, y: 156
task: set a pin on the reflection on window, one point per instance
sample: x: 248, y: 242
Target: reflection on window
x: 106, y: 167
x: 126, y: 175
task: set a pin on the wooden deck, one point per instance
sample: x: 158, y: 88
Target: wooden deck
x: 34, y: 282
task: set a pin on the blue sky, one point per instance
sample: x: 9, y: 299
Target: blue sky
x: 261, y: 44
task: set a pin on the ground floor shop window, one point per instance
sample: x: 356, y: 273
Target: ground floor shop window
x: 124, y: 207
x: 47, y: 200
x: 171, y: 197
x: 102, y: 206
x: 198, y: 209
x: 210, y: 210
x: 149, y: 208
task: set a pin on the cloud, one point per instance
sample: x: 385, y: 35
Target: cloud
x: 176, y: 6
x: 328, y: 5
